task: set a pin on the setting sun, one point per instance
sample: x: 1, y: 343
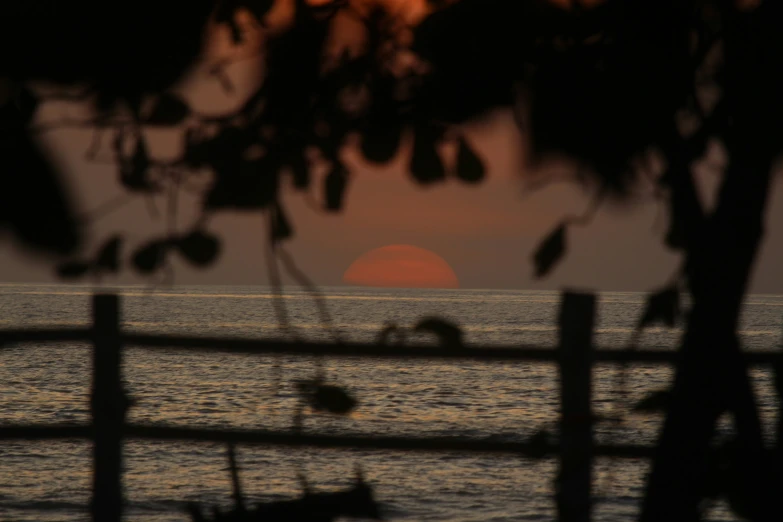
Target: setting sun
x: 401, y: 266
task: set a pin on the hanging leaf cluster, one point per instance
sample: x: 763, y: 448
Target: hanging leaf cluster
x: 168, y: 110
x: 308, y: 108
x: 391, y: 332
x: 356, y: 501
x: 449, y: 335
x: 427, y: 165
x: 328, y: 398
x: 197, y: 247
x: 105, y: 261
x: 550, y: 251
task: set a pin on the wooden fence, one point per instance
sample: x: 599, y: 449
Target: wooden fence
x: 109, y: 403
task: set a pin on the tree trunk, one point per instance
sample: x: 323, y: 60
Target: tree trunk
x: 711, y: 376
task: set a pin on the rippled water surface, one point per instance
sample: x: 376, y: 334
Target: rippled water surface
x: 49, y: 384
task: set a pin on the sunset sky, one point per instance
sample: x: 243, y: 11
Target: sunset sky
x: 485, y: 233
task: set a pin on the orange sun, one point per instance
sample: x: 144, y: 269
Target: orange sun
x: 401, y: 266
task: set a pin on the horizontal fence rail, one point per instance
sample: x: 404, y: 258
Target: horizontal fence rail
x: 368, y: 350
x: 304, y: 440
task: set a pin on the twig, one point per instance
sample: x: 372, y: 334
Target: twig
x: 312, y: 289
x: 239, y: 501
x: 107, y: 207
x: 281, y: 313
x: 173, y: 201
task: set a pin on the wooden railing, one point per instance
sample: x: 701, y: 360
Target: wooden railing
x: 109, y: 403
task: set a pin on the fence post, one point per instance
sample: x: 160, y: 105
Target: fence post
x: 577, y: 314
x: 108, y: 406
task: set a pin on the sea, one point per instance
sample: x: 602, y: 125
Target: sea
x: 49, y: 383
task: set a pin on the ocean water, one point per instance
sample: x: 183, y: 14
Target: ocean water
x: 42, y: 481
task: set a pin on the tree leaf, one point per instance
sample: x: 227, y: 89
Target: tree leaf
x: 332, y: 399
x: 662, y: 306
x: 242, y: 183
x: 169, y: 110
x: 470, y: 168
x: 34, y: 203
x: 300, y: 171
x: 108, y: 258
x: 258, y: 8
x: 656, y: 401
x: 72, y: 269
x: 550, y: 251
x: 141, y: 158
x: 426, y: 164
x: 334, y: 187
x: 133, y: 172
x: 199, y: 248
x: 380, y: 143
x: 226, y: 14
x: 384, y: 336
x: 448, y: 333
x: 150, y: 257
x: 194, y: 155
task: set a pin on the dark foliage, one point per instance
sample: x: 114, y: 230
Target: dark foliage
x: 34, y: 203
x: 355, y: 502
x: 662, y: 306
x: 449, y: 335
x: 326, y: 397
x: 108, y: 258
x: 151, y: 256
x: 73, y: 269
x: 550, y: 251
x: 389, y: 331
x: 198, y: 247
x: 74, y: 43
x: 168, y: 110
x: 358, y: 501
x: 426, y: 165
x: 477, y: 49
x: 334, y: 187
x: 470, y: 168
x: 296, y: 114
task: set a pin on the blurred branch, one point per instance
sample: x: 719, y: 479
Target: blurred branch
x: 312, y: 289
